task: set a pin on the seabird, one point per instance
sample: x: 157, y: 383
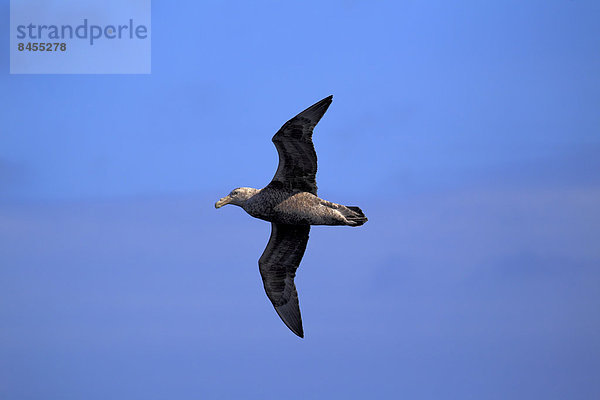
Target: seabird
x: 290, y: 203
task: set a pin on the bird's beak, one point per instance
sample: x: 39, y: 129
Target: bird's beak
x: 223, y: 201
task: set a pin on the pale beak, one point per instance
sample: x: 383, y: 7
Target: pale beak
x: 223, y: 201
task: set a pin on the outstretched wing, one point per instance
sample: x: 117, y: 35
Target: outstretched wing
x: 278, y: 265
x: 297, y: 158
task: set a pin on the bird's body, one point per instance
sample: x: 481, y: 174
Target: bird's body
x: 291, y: 204
x: 300, y: 208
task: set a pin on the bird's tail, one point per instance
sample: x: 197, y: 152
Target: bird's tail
x: 354, y: 215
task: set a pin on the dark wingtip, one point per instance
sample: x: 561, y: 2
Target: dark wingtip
x: 327, y: 100
x: 323, y: 103
x: 316, y: 111
x: 299, y: 333
x: 290, y: 315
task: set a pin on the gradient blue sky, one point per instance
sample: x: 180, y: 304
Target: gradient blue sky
x: 469, y: 134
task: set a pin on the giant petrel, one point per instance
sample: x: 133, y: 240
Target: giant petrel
x: 290, y: 203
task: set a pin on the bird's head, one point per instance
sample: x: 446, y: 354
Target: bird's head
x: 237, y: 197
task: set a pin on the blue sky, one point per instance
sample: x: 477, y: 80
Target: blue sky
x: 467, y: 133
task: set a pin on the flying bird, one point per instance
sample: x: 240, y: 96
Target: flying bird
x: 290, y: 203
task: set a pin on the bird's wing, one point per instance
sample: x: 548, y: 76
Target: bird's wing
x: 297, y: 158
x: 278, y: 265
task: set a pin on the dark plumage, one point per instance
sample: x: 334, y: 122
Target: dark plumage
x: 291, y: 204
